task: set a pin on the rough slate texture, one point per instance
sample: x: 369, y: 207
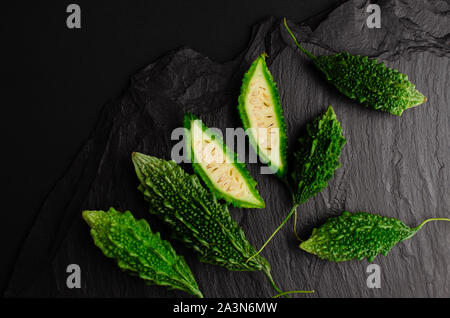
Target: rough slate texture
x: 394, y: 166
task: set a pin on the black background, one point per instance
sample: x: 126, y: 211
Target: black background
x: 56, y: 80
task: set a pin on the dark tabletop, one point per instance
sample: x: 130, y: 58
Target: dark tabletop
x: 58, y: 82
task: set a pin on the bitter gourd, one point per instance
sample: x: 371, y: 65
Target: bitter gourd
x: 318, y: 156
x: 262, y: 116
x: 315, y: 162
x: 195, y: 215
x: 138, y: 250
x: 218, y: 166
x: 367, y: 81
x: 357, y: 236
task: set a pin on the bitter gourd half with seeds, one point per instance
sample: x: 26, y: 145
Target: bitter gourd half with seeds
x: 262, y: 116
x: 195, y: 215
x: 358, y: 235
x: 218, y: 166
x: 139, y: 251
x: 367, y: 81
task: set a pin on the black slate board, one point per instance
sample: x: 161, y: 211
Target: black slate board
x: 393, y: 166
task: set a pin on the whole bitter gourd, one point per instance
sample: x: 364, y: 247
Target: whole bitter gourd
x: 315, y: 162
x: 367, y: 81
x: 357, y: 236
x: 195, y: 215
x: 318, y: 156
x: 139, y: 251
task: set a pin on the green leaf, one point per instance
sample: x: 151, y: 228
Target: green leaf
x: 138, y: 250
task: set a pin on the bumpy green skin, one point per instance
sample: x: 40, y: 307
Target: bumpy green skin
x: 318, y: 156
x: 195, y: 216
x: 356, y: 236
x: 282, y: 170
x: 188, y: 118
x: 138, y: 250
x: 369, y: 82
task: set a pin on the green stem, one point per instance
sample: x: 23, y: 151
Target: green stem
x: 280, y: 293
x: 294, y: 208
x: 294, y: 292
x: 288, y: 186
x: 429, y: 220
x: 269, y: 276
x: 295, y: 226
x: 310, y: 55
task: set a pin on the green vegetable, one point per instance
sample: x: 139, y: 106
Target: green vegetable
x: 195, y: 216
x: 218, y: 166
x: 262, y: 116
x: 367, y: 81
x: 357, y: 236
x: 315, y: 161
x: 138, y: 250
x: 318, y: 156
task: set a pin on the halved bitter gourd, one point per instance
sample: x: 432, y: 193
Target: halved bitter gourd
x: 218, y: 166
x: 262, y: 116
